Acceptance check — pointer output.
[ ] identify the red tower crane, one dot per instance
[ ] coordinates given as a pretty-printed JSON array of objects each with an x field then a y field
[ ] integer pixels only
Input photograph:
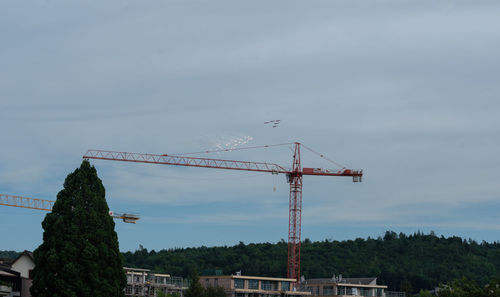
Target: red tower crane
[{"x": 294, "y": 177}]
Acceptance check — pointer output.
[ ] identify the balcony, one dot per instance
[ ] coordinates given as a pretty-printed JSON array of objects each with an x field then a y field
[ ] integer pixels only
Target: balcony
[{"x": 5, "y": 290}]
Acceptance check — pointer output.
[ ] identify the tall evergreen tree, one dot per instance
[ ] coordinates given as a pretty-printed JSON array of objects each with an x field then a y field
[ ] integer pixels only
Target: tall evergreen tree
[
  {"x": 195, "y": 289},
  {"x": 215, "y": 292},
  {"x": 79, "y": 256}
]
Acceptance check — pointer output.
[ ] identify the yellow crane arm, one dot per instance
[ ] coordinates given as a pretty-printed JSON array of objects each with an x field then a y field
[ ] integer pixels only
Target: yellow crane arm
[{"x": 42, "y": 204}]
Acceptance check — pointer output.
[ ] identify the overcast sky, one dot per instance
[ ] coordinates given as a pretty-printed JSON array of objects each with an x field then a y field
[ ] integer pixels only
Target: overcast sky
[{"x": 406, "y": 90}]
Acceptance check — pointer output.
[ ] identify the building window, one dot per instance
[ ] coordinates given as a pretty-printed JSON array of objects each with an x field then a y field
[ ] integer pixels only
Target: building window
[
  {"x": 328, "y": 291},
  {"x": 352, "y": 291},
  {"x": 161, "y": 280},
  {"x": 315, "y": 290},
  {"x": 216, "y": 282},
  {"x": 366, "y": 292},
  {"x": 128, "y": 290},
  {"x": 253, "y": 284},
  {"x": 341, "y": 291},
  {"x": 265, "y": 285},
  {"x": 285, "y": 286},
  {"x": 239, "y": 284},
  {"x": 380, "y": 292},
  {"x": 275, "y": 286},
  {"x": 137, "y": 290}
]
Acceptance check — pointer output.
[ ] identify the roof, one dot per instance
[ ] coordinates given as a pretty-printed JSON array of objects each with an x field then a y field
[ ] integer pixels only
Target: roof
[
  {"x": 136, "y": 269},
  {"x": 352, "y": 281},
  {"x": 6, "y": 261},
  {"x": 265, "y": 278},
  {"x": 160, "y": 274},
  {"x": 129, "y": 270},
  {"x": 25, "y": 253},
  {"x": 349, "y": 281},
  {"x": 6, "y": 271},
  {"x": 360, "y": 280}
]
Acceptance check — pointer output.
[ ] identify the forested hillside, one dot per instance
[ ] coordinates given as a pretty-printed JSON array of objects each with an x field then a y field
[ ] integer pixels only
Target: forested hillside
[
  {"x": 8, "y": 254},
  {"x": 404, "y": 262}
]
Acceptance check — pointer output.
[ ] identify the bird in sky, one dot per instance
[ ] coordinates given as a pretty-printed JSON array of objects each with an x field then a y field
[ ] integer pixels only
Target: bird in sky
[{"x": 273, "y": 123}]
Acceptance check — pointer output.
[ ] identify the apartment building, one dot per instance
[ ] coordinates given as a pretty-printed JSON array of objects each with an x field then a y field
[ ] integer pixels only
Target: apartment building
[
  {"x": 144, "y": 283},
  {"x": 253, "y": 286},
  {"x": 10, "y": 282},
  {"x": 339, "y": 287}
]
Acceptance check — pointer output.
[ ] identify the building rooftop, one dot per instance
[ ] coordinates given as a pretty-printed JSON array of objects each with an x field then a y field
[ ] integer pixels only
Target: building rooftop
[
  {"x": 129, "y": 270},
  {"x": 348, "y": 281},
  {"x": 136, "y": 269},
  {"x": 6, "y": 261},
  {"x": 25, "y": 253},
  {"x": 6, "y": 271},
  {"x": 250, "y": 277}
]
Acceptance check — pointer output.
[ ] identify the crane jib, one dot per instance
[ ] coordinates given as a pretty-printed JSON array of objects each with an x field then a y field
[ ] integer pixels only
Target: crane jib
[{"x": 186, "y": 161}]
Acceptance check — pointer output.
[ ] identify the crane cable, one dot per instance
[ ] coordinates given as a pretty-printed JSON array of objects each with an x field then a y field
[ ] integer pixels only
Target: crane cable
[
  {"x": 231, "y": 149},
  {"x": 323, "y": 156},
  {"x": 262, "y": 146}
]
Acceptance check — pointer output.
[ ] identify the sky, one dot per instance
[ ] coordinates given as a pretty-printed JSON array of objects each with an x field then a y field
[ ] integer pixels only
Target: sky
[{"x": 406, "y": 90}]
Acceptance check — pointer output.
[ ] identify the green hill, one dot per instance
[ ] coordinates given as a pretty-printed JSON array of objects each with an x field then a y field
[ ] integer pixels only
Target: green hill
[
  {"x": 403, "y": 262},
  {"x": 8, "y": 254}
]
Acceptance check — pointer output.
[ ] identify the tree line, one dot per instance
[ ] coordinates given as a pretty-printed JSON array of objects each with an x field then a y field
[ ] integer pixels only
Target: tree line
[
  {"x": 465, "y": 288},
  {"x": 407, "y": 263}
]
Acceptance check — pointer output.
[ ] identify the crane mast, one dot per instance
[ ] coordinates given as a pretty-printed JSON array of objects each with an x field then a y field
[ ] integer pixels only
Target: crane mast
[
  {"x": 294, "y": 178},
  {"x": 294, "y": 216}
]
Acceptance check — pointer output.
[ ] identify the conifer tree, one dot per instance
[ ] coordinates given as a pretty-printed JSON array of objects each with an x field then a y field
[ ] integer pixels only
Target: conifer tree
[
  {"x": 195, "y": 289},
  {"x": 215, "y": 292},
  {"x": 79, "y": 256}
]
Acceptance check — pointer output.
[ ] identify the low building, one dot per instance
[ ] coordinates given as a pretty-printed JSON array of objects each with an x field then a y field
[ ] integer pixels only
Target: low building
[
  {"x": 24, "y": 264},
  {"x": 144, "y": 283},
  {"x": 253, "y": 286},
  {"x": 338, "y": 286},
  {"x": 6, "y": 261},
  {"x": 10, "y": 282},
  {"x": 18, "y": 273}
]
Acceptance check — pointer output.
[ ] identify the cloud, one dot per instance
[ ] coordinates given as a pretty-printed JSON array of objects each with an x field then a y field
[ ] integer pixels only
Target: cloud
[{"x": 405, "y": 90}]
